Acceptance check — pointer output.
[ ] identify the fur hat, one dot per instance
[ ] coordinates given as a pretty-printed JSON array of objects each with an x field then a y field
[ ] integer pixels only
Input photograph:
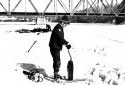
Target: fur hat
[{"x": 65, "y": 19}]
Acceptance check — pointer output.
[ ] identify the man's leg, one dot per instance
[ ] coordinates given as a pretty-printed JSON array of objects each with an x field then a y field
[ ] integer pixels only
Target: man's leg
[{"x": 56, "y": 61}]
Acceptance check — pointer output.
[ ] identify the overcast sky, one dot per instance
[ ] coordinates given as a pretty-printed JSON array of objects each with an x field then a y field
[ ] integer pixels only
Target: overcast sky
[{"x": 39, "y": 4}]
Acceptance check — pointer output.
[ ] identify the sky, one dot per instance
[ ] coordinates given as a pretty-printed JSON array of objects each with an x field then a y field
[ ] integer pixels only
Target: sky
[{"x": 40, "y": 5}]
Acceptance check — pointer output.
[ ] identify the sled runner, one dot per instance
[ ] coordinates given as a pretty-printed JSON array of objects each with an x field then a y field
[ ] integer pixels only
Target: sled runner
[
  {"x": 36, "y": 77},
  {"x": 64, "y": 80}
]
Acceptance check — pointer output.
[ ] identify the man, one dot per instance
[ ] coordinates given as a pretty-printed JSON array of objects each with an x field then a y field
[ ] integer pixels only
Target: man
[{"x": 56, "y": 42}]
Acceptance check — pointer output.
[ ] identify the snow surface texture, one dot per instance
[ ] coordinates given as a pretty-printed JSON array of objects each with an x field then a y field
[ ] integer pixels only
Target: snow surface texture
[{"x": 97, "y": 51}]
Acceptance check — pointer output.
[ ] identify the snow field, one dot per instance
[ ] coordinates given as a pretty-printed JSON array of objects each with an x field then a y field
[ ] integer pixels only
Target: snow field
[{"x": 91, "y": 44}]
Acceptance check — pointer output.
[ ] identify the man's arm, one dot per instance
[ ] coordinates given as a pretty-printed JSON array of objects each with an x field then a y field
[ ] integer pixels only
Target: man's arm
[{"x": 61, "y": 38}]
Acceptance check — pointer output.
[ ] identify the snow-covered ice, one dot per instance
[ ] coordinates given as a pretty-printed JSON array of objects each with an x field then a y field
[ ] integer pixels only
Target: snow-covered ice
[{"x": 99, "y": 46}]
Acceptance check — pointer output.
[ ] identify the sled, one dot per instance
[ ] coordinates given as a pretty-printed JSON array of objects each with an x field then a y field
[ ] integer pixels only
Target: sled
[
  {"x": 39, "y": 74},
  {"x": 34, "y": 76},
  {"x": 33, "y": 72}
]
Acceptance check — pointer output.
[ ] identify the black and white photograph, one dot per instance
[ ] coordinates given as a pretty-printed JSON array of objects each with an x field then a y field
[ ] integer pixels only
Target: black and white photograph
[{"x": 62, "y": 42}]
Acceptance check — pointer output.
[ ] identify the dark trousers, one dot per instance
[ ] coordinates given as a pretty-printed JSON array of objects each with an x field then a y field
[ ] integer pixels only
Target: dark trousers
[{"x": 56, "y": 59}]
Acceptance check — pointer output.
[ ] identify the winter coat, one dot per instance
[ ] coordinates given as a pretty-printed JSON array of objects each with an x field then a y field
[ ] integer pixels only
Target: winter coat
[{"x": 57, "y": 38}]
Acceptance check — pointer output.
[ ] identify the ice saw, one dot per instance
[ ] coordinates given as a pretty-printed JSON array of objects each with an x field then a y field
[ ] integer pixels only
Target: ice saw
[{"x": 70, "y": 67}]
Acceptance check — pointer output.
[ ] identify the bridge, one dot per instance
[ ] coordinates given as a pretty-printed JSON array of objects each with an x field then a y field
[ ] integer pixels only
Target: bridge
[{"x": 61, "y": 7}]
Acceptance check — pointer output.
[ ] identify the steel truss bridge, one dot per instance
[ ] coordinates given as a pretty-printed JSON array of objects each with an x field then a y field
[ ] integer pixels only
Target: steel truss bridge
[{"x": 87, "y": 7}]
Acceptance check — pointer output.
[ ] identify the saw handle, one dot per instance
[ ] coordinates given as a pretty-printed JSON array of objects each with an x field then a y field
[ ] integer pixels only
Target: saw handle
[{"x": 70, "y": 55}]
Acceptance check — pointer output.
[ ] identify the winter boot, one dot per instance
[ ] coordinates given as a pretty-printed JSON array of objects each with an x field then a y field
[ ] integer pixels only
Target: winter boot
[{"x": 57, "y": 76}]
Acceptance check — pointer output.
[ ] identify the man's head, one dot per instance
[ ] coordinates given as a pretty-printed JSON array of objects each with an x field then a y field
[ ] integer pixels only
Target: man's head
[{"x": 65, "y": 21}]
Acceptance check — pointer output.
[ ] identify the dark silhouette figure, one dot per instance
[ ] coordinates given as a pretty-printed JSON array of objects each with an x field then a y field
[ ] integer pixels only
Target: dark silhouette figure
[{"x": 56, "y": 42}]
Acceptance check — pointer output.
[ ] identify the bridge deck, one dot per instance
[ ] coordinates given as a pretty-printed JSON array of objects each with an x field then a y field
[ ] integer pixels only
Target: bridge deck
[{"x": 53, "y": 14}]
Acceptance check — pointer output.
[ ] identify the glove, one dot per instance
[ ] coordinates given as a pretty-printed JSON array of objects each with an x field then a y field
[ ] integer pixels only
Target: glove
[{"x": 68, "y": 46}]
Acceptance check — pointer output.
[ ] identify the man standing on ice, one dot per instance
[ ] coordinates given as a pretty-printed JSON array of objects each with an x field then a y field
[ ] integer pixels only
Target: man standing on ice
[{"x": 56, "y": 42}]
